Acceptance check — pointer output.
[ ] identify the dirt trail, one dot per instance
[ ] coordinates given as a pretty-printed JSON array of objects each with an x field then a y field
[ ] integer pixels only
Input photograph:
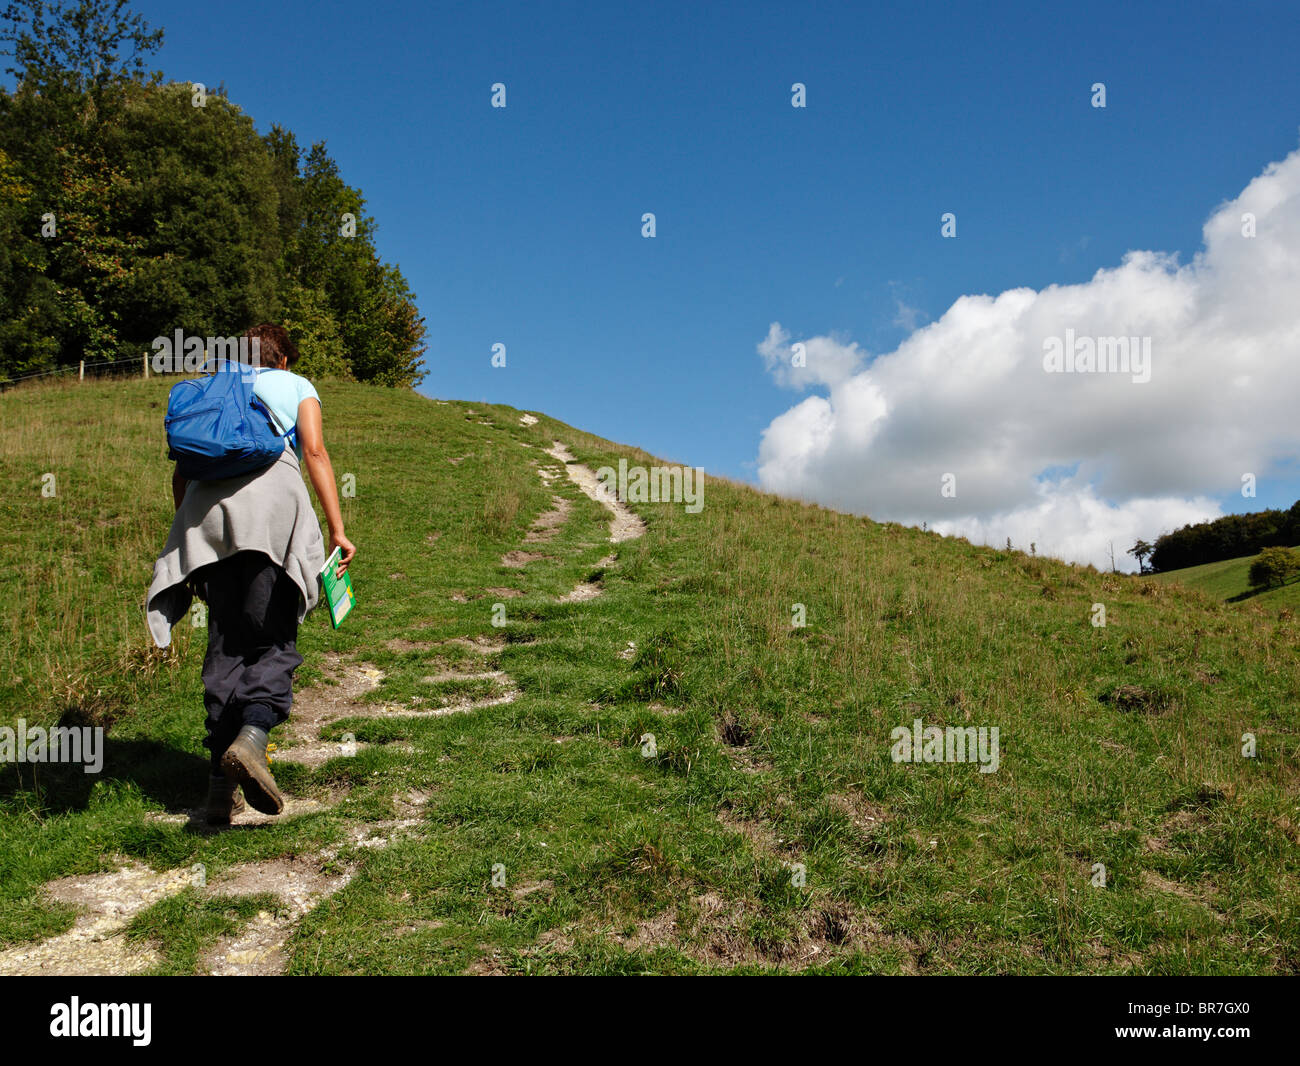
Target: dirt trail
[
  {"x": 94, "y": 944},
  {"x": 625, "y": 525},
  {"x": 107, "y": 901},
  {"x": 300, "y": 883},
  {"x": 321, "y": 705}
]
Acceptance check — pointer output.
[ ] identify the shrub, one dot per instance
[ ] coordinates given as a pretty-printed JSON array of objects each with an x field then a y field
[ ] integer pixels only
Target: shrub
[{"x": 1274, "y": 566}]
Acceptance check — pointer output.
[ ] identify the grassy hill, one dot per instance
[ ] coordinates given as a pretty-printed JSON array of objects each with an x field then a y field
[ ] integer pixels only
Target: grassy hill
[
  {"x": 1229, "y": 580},
  {"x": 471, "y": 797}
]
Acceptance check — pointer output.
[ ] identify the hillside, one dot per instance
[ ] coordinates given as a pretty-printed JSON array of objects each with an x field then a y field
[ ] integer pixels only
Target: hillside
[
  {"x": 471, "y": 797},
  {"x": 1229, "y": 581}
]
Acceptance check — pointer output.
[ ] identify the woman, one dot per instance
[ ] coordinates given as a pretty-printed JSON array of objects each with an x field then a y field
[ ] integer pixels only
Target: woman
[{"x": 251, "y": 548}]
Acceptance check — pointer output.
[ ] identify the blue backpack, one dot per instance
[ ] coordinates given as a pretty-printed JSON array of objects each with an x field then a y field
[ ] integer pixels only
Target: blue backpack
[{"x": 216, "y": 427}]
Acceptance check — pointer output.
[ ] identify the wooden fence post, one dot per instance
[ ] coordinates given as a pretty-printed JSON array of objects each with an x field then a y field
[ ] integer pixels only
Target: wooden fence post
[
  {"x": 81, "y": 374},
  {"x": 145, "y": 359}
]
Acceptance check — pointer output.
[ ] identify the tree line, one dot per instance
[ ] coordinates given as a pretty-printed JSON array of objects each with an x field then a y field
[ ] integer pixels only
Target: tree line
[
  {"x": 131, "y": 207},
  {"x": 1229, "y": 537}
]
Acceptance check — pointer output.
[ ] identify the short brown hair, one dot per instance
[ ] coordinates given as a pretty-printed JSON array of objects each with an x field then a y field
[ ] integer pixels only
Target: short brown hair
[{"x": 274, "y": 345}]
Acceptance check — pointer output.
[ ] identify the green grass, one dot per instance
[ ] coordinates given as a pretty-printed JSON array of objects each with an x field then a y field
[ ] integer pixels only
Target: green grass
[
  {"x": 1119, "y": 745},
  {"x": 1229, "y": 580}
]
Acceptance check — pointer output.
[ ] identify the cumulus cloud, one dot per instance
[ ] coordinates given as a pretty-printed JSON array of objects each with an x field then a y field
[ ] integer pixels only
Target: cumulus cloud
[
  {"x": 1072, "y": 461},
  {"x": 820, "y": 361}
]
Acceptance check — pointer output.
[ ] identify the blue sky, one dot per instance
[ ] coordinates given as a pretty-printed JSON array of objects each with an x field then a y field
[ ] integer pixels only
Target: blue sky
[{"x": 522, "y": 225}]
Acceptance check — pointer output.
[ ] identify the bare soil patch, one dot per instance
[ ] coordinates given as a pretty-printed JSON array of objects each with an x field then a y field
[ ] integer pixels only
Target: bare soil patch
[
  {"x": 549, "y": 523},
  {"x": 519, "y": 559}
]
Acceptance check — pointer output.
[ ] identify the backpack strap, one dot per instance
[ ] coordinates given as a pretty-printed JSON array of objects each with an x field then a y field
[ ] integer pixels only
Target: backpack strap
[{"x": 291, "y": 436}]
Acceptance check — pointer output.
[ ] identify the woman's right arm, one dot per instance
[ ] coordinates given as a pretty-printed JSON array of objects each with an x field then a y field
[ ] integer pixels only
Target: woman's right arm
[{"x": 321, "y": 471}]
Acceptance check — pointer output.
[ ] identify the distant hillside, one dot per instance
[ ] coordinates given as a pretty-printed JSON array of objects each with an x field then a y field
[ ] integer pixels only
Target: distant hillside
[
  {"x": 534, "y": 750},
  {"x": 1231, "y": 536},
  {"x": 1229, "y": 581}
]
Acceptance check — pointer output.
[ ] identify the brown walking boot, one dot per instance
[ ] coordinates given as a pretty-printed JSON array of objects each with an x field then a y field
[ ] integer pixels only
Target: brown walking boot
[
  {"x": 245, "y": 763},
  {"x": 224, "y": 800}
]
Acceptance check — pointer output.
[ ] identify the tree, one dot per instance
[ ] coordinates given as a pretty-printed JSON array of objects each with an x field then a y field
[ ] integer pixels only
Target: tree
[
  {"x": 306, "y": 315},
  {"x": 28, "y": 299},
  {"x": 1275, "y": 566},
  {"x": 201, "y": 199},
  {"x": 127, "y": 212},
  {"x": 1229, "y": 537},
  {"x": 1140, "y": 551},
  {"x": 81, "y": 48}
]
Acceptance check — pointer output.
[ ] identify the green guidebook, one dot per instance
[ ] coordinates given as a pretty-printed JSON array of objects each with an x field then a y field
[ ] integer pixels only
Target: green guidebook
[{"x": 338, "y": 590}]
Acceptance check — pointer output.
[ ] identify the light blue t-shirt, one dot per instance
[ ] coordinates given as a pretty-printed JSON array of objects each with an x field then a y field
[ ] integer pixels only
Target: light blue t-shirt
[{"x": 282, "y": 391}]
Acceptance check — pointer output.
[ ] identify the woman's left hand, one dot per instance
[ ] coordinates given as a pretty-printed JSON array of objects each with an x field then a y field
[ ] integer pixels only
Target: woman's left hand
[{"x": 338, "y": 540}]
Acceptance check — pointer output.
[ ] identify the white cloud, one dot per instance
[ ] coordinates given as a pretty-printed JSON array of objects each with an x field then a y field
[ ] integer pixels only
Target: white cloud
[
  {"x": 827, "y": 361},
  {"x": 968, "y": 395},
  {"x": 907, "y": 316},
  {"x": 1077, "y": 525}
]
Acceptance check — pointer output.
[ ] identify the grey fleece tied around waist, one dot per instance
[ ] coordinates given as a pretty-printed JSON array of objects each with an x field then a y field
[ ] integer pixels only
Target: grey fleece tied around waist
[{"x": 267, "y": 511}]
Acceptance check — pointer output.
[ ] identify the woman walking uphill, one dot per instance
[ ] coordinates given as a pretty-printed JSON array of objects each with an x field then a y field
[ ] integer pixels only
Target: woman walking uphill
[{"x": 251, "y": 548}]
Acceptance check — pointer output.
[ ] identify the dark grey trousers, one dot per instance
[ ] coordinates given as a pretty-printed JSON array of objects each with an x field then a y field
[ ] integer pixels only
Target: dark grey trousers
[{"x": 252, "y": 653}]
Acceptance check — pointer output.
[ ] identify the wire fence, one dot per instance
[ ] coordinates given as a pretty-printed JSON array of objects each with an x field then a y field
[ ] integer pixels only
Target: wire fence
[{"x": 110, "y": 367}]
